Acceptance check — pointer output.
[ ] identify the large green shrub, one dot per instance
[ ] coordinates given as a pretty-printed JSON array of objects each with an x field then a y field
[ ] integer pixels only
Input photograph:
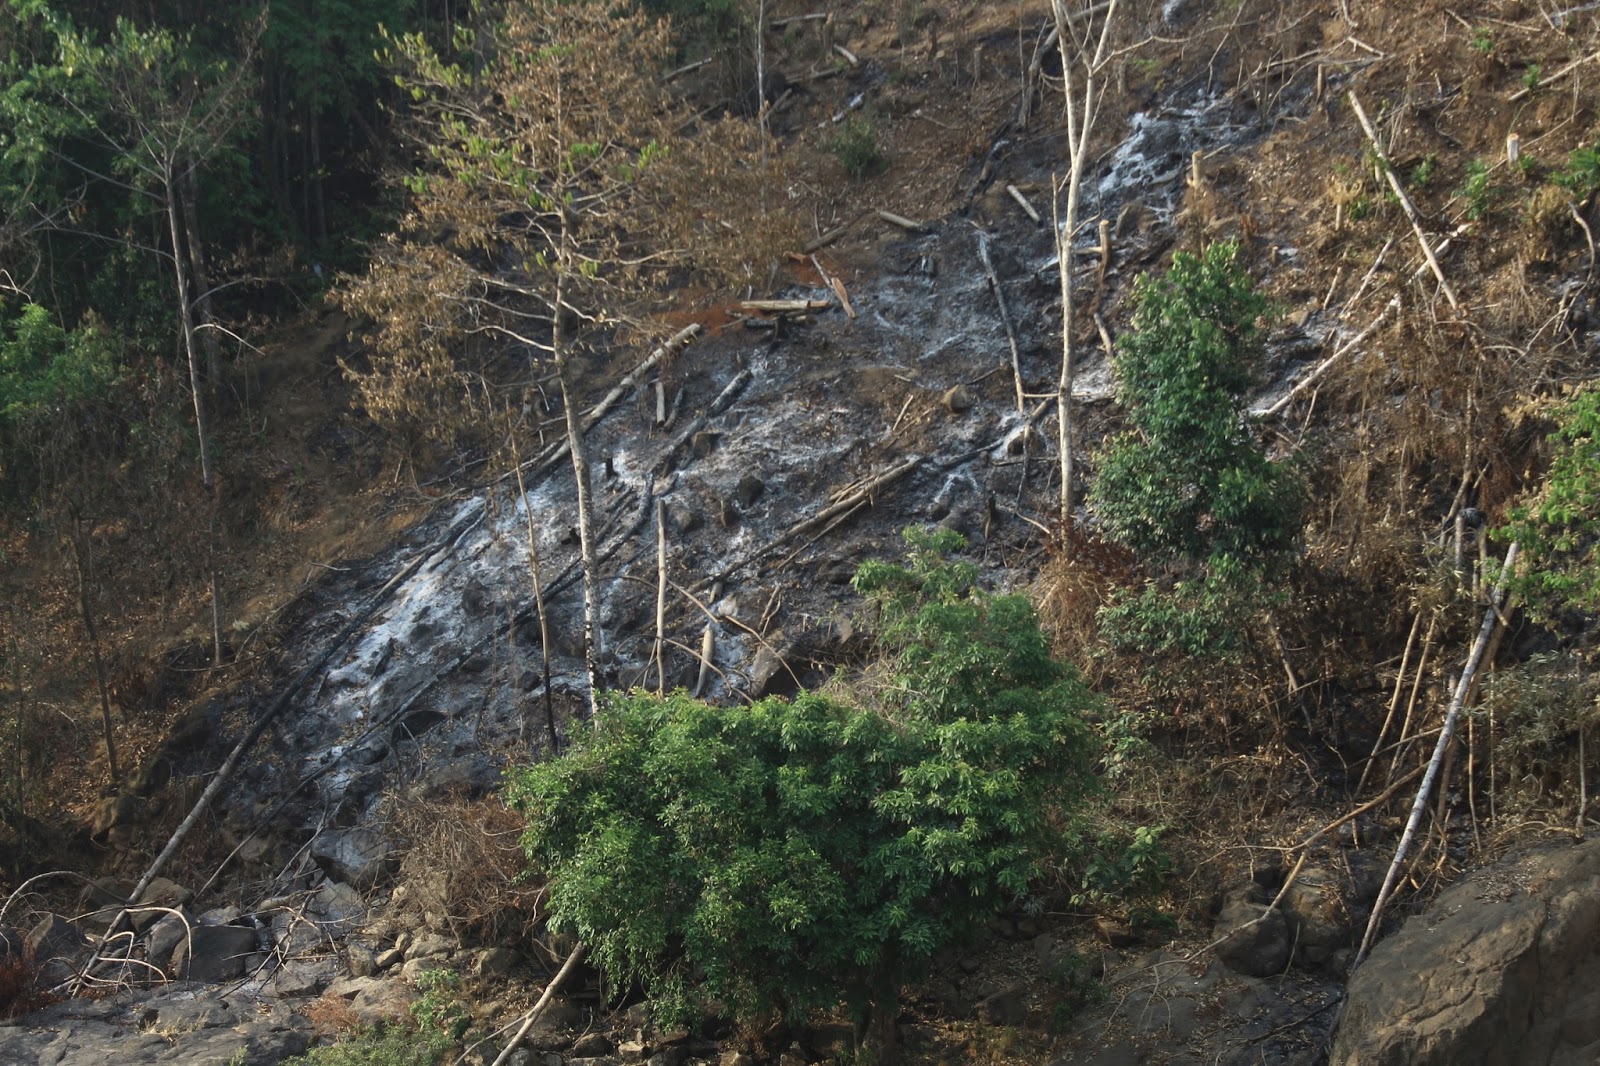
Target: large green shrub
[
  {"x": 1559, "y": 527},
  {"x": 791, "y": 855},
  {"x": 1189, "y": 488}
]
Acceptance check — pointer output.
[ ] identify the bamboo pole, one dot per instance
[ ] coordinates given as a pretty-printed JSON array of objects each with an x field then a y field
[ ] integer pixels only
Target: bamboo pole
[
  {"x": 1492, "y": 620},
  {"x": 1405, "y": 200},
  {"x": 661, "y": 595}
]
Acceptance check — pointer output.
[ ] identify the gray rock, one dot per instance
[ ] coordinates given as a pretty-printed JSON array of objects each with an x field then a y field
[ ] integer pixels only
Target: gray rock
[
  {"x": 360, "y": 856},
  {"x": 1318, "y": 917},
  {"x": 100, "y": 902},
  {"x": 58, "y": 948},
  {"x": 1009, "y": 1006},
  {"x": 214, "y": 953},
  {"x": 591, "y": 1044},
  {"x": 165, "y": 936},
  {"x": 391, "y": 957},
  {"x": 372, "y": 1000},
  {"x": 301, "y": 978},
  {"x": 1258, "y": 950},
  {"x": 429, "y": 945},
  {"x": 957, "y": 399},
  {"x": 493, "y": 962},
  {"x": 1501, "y": 968},
  {"x": 337, "y": 908},
  {"x": 360, "y": 959},
  {"x": 749, "y": 490}
]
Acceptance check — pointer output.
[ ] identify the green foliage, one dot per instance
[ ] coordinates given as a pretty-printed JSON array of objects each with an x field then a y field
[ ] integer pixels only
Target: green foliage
[
  {"x": 1478, "y": 191},
  {"x": 1581, "y": 175},
  {"x": 441, "y": 1022},
  {"x": 1190, "y": 481},
  {"x": 1483, "y": 41},
  {"x": 1530, "y": 77},
  {"x": 785, "y": 856},
  {"x": 1423, "y": 172},
  {"x": 1122, "y": 865},
  {"x": 856, "y": 148},
  {"x": 1189, "y": 488},
  {"x": 1559, "y": 528},
  {"x": 386, "y": 1046},
  {"x": 1203, "y": 615},
  {"x": 1072, "y": 975},
  {"x": 45, "y": 367}
]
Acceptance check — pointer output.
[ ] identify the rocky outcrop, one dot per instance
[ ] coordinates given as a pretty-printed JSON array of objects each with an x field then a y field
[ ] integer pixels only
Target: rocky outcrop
[
  {"x": 174, "y": 1026},
  {"x": 1503, "y": 967}
]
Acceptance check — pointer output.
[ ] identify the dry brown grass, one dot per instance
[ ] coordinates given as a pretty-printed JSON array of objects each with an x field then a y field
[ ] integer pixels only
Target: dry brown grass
[{"x": 465, "y": 868}]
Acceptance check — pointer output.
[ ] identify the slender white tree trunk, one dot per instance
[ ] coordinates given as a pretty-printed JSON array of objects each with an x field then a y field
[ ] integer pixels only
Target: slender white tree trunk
[
  {"x": 1082, "y": 105},
  {"x": 207, "y": 478}
]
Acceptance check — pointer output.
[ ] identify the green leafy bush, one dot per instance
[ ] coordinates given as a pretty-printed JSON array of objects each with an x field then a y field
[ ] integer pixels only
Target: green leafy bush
[
  {"x": 1188, "y": 488},
  {"x": 1581, "y": 175},
  {"x": 43, "y": 365},
  {"x": 789, "y": 855},
  {"x": 1190, "y": 481},
  {"x": 1559, "y": 528},
  {"x": 856, "y": 148},
  {"x": 1478, "y": 191}
]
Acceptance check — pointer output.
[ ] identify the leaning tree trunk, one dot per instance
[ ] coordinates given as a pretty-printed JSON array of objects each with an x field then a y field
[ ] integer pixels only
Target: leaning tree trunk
[
  {"x": 207, "y": 478},
  {"x": 80, "y": 564}
]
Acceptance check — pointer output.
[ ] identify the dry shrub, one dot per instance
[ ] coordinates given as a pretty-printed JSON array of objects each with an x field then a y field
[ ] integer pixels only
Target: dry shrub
[
  {"x": 465, "y": 866},
  {"x": 1072, "y": 586},
  {"x": 332, "y": 1016},
  {"x": 19, "y": 985}
]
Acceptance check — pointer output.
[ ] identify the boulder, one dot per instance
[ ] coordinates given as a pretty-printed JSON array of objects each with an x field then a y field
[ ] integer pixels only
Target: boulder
[
  {"x": 360, "y": 856},
  {"x": 214, "y": 953},
  {"x": 1502, "y": 967},
  {"x": 165, "y": 936},
  {"x": 1256, "y": 950},
  {"x": 100, "y": 902},
  {"x": 58, "y": 949},
  {"x": 1318, "y": 915}
]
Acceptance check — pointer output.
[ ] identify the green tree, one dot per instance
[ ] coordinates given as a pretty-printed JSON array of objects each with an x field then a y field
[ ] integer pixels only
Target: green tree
[
  {"x": 785, "y": 856},
  {"x": 1559, "y": 526},
  {"x": 1189, "y": 489}
]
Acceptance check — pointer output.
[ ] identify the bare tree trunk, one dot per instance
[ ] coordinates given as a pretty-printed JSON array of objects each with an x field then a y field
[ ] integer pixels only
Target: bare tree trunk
[
  {"x": 202, "y": 279},
  {"x": 1082, "y": 110},
  {"x": 81, "y": 565},
  {"x": 538, "y": 601},
  {"x": 207, "y": 478},
  {"x": 593, "y": 637},
  {"x": 16, "y": 691}
]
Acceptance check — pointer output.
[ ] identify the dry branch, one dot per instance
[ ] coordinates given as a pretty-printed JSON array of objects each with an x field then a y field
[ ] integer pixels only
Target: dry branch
[
  {"x": 1005, "y": 318},
  {"x": 1404, "y": 198},
  {"x": 538, "y": 1008},
  {"x": 900, "y": 220},
  {"x": 1552, "y": 79},
  {"x": 784, "y": 307},
  {"x": 1492, "y": 621},
  {"x": 1022, "y": 202},
  {"x": 1321, "y": 368}
]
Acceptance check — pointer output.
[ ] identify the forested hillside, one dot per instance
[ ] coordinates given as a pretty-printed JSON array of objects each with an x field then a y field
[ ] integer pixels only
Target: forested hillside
[{"x": 895, "y": 515}]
